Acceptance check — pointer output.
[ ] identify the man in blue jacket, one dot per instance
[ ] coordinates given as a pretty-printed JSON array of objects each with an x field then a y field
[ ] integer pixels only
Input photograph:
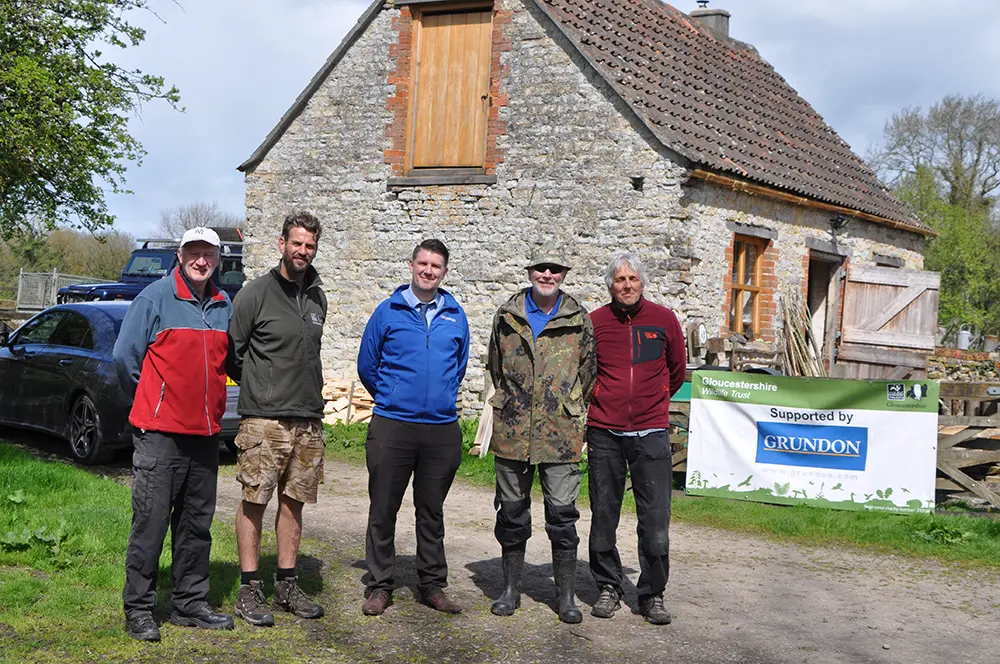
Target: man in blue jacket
[
  {"x": 170, "y": 357},
  {"x": 412, "y": 360}
]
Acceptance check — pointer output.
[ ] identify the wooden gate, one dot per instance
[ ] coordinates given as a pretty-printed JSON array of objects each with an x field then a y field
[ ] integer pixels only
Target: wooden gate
[{"x": 889, "y": 323}]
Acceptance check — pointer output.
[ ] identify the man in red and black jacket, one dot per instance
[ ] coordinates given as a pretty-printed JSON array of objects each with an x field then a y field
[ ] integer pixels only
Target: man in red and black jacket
[
  {"x": 170, "y": 356},
  {"x": 641, "y": 362}
]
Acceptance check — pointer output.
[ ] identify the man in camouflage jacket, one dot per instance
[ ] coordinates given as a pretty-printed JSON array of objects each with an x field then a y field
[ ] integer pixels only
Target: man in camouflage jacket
[{"x": 543, "y": 363}]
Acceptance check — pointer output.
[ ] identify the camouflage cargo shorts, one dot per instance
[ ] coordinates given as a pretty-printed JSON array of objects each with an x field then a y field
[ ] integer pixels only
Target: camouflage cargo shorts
[{"x": 282, "y": 454}]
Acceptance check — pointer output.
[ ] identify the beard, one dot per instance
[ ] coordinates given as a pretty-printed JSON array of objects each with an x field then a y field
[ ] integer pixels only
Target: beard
[{"x": 291, "y": 267}]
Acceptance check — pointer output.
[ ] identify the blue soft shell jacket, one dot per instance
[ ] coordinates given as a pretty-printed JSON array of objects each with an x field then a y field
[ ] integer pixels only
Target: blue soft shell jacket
[{"x": 414, "y": 372}]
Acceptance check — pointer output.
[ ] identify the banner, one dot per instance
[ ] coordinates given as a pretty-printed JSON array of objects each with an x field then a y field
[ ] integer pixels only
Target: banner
[{"x": 842, "y": 444}]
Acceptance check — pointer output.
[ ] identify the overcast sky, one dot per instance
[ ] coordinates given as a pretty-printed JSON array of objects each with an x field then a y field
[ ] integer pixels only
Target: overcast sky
[{"x": 239, "y": 64}]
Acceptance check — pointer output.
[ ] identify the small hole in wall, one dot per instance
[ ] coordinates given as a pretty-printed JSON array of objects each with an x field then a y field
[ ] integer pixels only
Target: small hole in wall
[{"x": 637, "y": 183}]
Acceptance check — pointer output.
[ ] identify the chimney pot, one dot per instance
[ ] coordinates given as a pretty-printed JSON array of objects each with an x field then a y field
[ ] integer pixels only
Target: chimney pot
[{"x": 716, "y": 19}]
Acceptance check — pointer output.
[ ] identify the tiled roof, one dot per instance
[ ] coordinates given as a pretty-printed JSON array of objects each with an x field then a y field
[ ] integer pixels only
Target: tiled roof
[{"x": 716, "y": 102}]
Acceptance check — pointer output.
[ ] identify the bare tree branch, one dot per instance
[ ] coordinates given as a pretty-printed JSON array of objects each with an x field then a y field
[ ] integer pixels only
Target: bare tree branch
[{"x": 174, "y": 221}]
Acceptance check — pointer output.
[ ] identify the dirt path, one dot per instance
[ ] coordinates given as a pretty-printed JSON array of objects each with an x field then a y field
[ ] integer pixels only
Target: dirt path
[{"x": 734, "y": 598}]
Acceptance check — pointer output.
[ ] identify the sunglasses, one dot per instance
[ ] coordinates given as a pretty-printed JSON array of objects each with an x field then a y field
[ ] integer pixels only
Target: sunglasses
[{"x": 551, "y": 267}]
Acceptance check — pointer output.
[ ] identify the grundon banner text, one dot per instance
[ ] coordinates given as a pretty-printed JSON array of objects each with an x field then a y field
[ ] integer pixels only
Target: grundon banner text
[{"x": 844, "y": 444}]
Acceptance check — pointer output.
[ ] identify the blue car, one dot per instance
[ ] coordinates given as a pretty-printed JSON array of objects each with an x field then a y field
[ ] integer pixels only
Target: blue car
[{"x": 57, "y": 375}]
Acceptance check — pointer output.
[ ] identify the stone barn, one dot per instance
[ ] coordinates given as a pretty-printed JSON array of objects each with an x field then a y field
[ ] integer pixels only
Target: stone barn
[{"x": 603, "y": 125}]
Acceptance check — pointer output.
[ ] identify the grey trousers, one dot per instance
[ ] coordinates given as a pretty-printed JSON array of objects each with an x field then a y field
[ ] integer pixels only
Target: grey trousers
[{"x": 560, "y": 488}]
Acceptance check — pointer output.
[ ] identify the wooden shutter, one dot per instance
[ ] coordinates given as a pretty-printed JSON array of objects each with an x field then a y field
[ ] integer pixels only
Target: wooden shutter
[
  {"x": 452, "y": 80},
  {"x": 889, "y": 324}
]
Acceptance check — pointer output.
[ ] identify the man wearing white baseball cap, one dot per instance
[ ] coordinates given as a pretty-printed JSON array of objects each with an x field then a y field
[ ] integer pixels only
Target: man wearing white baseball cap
[{"x": 170, "y": 356}]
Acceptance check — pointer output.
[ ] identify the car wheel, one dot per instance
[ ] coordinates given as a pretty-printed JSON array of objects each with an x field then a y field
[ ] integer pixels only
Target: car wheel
[
  {"x": 86, "y": 440},
  {"x": 231, "y": 446}
]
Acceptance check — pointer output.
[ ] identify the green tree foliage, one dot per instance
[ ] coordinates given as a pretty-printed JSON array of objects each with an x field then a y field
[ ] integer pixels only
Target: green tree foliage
[
  {"x": 64, "y": 108},
  {"x": 966, "y": 252}
]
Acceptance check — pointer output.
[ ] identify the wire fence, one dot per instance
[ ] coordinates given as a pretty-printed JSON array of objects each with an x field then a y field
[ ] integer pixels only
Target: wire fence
[{"x": 38, "y": 290}]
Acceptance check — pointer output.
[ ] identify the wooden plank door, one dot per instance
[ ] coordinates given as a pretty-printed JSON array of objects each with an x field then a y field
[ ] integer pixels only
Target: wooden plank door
[
  {"x": 889, "y": 323},
  {"x": 452, "y": 83}
]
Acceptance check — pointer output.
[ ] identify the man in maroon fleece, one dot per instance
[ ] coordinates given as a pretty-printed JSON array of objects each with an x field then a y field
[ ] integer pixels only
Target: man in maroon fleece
[{"x": 641, "y": 360}]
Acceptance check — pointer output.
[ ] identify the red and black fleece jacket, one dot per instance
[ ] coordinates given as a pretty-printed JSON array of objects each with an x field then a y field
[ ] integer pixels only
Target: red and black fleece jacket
[
  {"x": 641, "y": 363},
  {"x": 171, "y": 357}
]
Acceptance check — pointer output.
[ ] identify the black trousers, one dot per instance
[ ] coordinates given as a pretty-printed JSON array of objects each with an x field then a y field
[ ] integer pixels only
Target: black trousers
[
  {"x": 173, "y": 485},
  {"x": 395, "y": 451},
  {"x": 648, "y": 459}
]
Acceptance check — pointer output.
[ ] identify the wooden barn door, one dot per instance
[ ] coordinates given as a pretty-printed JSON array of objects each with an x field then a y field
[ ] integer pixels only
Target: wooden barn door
[{"x": 889, "y": 323}]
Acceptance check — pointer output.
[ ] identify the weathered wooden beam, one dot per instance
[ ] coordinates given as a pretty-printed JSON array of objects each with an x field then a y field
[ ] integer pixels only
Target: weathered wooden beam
[
  {"x": 899, "y": 373},
  {"x": 905, "y": 278},
  {"x": 969, "y": 390},
  {"x": 963, "y": 458},
  {"x": 967, "y": 421},
  {"x": 944, "y": 484},
  {"x": 968, "y": 483},
  {"x": 854, "y": 353},
  {"x": 892, "y": 339},
  {"x": 946, "y": 441}
]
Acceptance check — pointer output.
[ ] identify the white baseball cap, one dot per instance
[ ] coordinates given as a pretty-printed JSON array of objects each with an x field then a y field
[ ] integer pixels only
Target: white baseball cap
[{"x": 201, "y": 234}]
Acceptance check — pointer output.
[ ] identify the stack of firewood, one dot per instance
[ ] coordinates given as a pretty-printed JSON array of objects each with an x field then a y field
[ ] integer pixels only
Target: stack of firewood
[{"x": 346, "y": 401}]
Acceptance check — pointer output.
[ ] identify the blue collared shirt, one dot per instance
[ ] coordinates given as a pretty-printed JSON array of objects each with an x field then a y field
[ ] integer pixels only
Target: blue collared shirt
[
  {"x": 431, "y": 307},
  {"x": 537, "y": 318}
]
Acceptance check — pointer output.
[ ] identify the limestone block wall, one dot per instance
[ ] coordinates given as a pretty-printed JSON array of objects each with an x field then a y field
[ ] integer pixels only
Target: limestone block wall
[{"x": 576, "y": 167}]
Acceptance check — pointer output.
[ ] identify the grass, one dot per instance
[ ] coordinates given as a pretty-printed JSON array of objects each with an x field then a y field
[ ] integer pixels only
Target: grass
[
  {"x": 964, "y": 539},
  {"x": 62, "y": 558}
]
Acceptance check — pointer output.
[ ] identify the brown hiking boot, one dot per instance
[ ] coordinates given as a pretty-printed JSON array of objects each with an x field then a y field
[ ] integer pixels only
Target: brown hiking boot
[
  {"x": 251, "y": 605},
  {"x": 376, "y": 604},
  {"x": 289, "y": 597}
]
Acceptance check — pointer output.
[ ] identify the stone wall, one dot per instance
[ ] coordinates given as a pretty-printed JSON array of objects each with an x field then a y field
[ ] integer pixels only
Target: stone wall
[
  {"x": 572, "y": 158},
  {"x": 963, "y": 365}
]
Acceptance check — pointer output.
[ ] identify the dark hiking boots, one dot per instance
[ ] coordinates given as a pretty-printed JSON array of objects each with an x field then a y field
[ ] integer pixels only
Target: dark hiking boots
[
  {"x": 289, "y": 597},
  {"x": 510, "y": 599},
  {"x": 653, "y": 611},
  {"x": 202, "y": 617},
  {"x": 142, "y": 627},
  {"x": 251, "y": 605},
  {"x": 609, "y": 601}
]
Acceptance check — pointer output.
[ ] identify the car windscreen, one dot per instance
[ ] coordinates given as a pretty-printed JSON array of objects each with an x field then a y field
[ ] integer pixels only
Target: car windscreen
[{"x": 154, "y": 264}]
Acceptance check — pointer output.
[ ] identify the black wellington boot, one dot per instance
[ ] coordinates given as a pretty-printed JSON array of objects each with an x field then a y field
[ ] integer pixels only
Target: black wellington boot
[
  {"x": 564, "y": 572},
  {"x": 510, "y": 599}
]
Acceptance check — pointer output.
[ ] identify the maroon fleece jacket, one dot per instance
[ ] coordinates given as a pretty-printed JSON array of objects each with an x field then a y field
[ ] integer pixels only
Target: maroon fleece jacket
[{"x": 641, "y": 363}]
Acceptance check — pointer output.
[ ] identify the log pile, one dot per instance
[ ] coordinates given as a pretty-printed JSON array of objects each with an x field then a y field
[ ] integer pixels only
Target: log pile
[{"x": 346, "y": 401}]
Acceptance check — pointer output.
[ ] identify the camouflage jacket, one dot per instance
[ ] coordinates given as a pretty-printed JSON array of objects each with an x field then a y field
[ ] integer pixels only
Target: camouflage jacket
[{"x": 543, "y": 385}]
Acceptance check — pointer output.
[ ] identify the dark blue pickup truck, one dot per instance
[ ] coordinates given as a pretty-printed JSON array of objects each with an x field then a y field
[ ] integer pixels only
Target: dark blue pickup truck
[{"x": 153, "y": 260}]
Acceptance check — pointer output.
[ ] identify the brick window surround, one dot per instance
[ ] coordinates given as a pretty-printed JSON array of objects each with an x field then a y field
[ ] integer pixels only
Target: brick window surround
[
  {"x": 766, "y": 283},
  {"x": 401, "y": 101}
]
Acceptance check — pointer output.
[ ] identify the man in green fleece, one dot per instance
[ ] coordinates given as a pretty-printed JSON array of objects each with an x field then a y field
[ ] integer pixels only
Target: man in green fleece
[{"x": 276, "y": 332}]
